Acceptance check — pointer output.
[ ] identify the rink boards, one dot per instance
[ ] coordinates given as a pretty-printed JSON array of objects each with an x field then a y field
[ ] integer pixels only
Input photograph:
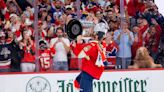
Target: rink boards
[{"x": 111, "y": 81}]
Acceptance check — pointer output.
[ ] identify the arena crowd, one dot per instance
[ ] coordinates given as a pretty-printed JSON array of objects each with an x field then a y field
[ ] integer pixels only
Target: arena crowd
[{"x": 142, "y": 27}]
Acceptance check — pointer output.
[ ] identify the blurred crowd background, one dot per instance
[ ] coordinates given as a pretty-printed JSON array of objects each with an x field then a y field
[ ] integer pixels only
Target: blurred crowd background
[{"x": 143, "y": 26}]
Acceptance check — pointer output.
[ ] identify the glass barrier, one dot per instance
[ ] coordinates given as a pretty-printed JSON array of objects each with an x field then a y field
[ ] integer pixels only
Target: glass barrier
[{"x": 39, "y": 35}]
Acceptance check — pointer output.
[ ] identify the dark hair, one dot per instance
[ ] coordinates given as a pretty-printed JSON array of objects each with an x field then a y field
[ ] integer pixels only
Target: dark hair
[
  {"x": 100, "y": 35},
  {"x": 42, "y": 42},
  {"x": 59, "y": 28},
  {"x": 2, "y": 16}
]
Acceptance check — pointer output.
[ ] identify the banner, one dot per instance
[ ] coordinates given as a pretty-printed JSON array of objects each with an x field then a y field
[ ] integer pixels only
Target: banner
[{"x": 119, "y": 81}]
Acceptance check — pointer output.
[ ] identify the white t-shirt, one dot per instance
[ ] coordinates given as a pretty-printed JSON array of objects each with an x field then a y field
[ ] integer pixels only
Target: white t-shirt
[{"x": 61, "y": 53}]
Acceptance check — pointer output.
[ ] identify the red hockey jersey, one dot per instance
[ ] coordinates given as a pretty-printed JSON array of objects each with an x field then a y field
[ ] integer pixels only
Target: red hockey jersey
[
  {"x": 111, "y": 51},
  {"x": 88, "y": 62}
]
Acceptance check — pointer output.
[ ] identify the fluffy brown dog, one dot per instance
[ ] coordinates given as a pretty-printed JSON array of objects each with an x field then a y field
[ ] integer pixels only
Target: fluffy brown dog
[{"x": 144, "y": 60}]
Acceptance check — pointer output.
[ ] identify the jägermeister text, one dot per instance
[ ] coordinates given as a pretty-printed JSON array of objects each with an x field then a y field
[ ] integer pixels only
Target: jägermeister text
[{"x": 122, "y": 85}]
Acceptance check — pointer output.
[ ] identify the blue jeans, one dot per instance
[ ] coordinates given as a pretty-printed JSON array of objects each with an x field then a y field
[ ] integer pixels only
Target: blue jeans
[
  {"x": 5, "y": 70},
  {"x": 123, "y": 63},
  {"x": 60, "y": 65}
]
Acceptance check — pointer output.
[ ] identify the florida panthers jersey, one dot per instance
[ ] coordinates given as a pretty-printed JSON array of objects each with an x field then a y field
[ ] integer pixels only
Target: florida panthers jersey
[
  {"x": 6, "y": 51},
  {"x": 111, "y": 51}
]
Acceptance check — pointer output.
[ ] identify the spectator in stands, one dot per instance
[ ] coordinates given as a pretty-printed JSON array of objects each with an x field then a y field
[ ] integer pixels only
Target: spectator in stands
[
  {"x": 41, "y": 29},
  {"x": 56, "y": 10},
  {"x": 23, "y": 4},
  {"x": 14, "y": 22},
  {"x": 17, "y": 54},
  {"x": 62, "y": 21},
  {"x": 45, "y": 56},
  {"x": 143, "y": 26},
  {"x": 14, "y": 7},
  {"x": 49, "y": 27},
  {"x": 138, "y": 42},
  {"x": 62, "y": 47},
  {"x": 111, "y": 49},
  {"x": 27, "y": 26},
  {"x": 124, "y": 38},
  {"x": 28, "y": 60},
  {"x": 113, "y": 25},
  {"x": 5, "y": 59},
  {"x": 9, "y": 60},
  {"x": 43, "y": 14},
  {"x": 152, "y": 41},
  {"x": 23, "y": 19},
  {"x": 43, "y": 5}
]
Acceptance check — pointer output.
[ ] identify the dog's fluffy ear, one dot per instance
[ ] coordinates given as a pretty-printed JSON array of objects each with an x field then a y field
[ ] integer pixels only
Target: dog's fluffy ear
[
  {"x": 145, "y": 51},
  {"x": 140, "y": 54}
]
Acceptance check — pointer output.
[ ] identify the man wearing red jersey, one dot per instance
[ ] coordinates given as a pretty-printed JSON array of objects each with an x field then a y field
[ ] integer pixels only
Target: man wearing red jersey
[
  {"x": 93, "y": 56},
  {"x": 45, "y": 56}
]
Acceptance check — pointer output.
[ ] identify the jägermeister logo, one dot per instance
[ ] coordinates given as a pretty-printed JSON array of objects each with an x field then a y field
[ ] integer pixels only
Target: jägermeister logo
[
  {"x": 38, "y": 84},
  {"x": 121, "y": 85}
]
